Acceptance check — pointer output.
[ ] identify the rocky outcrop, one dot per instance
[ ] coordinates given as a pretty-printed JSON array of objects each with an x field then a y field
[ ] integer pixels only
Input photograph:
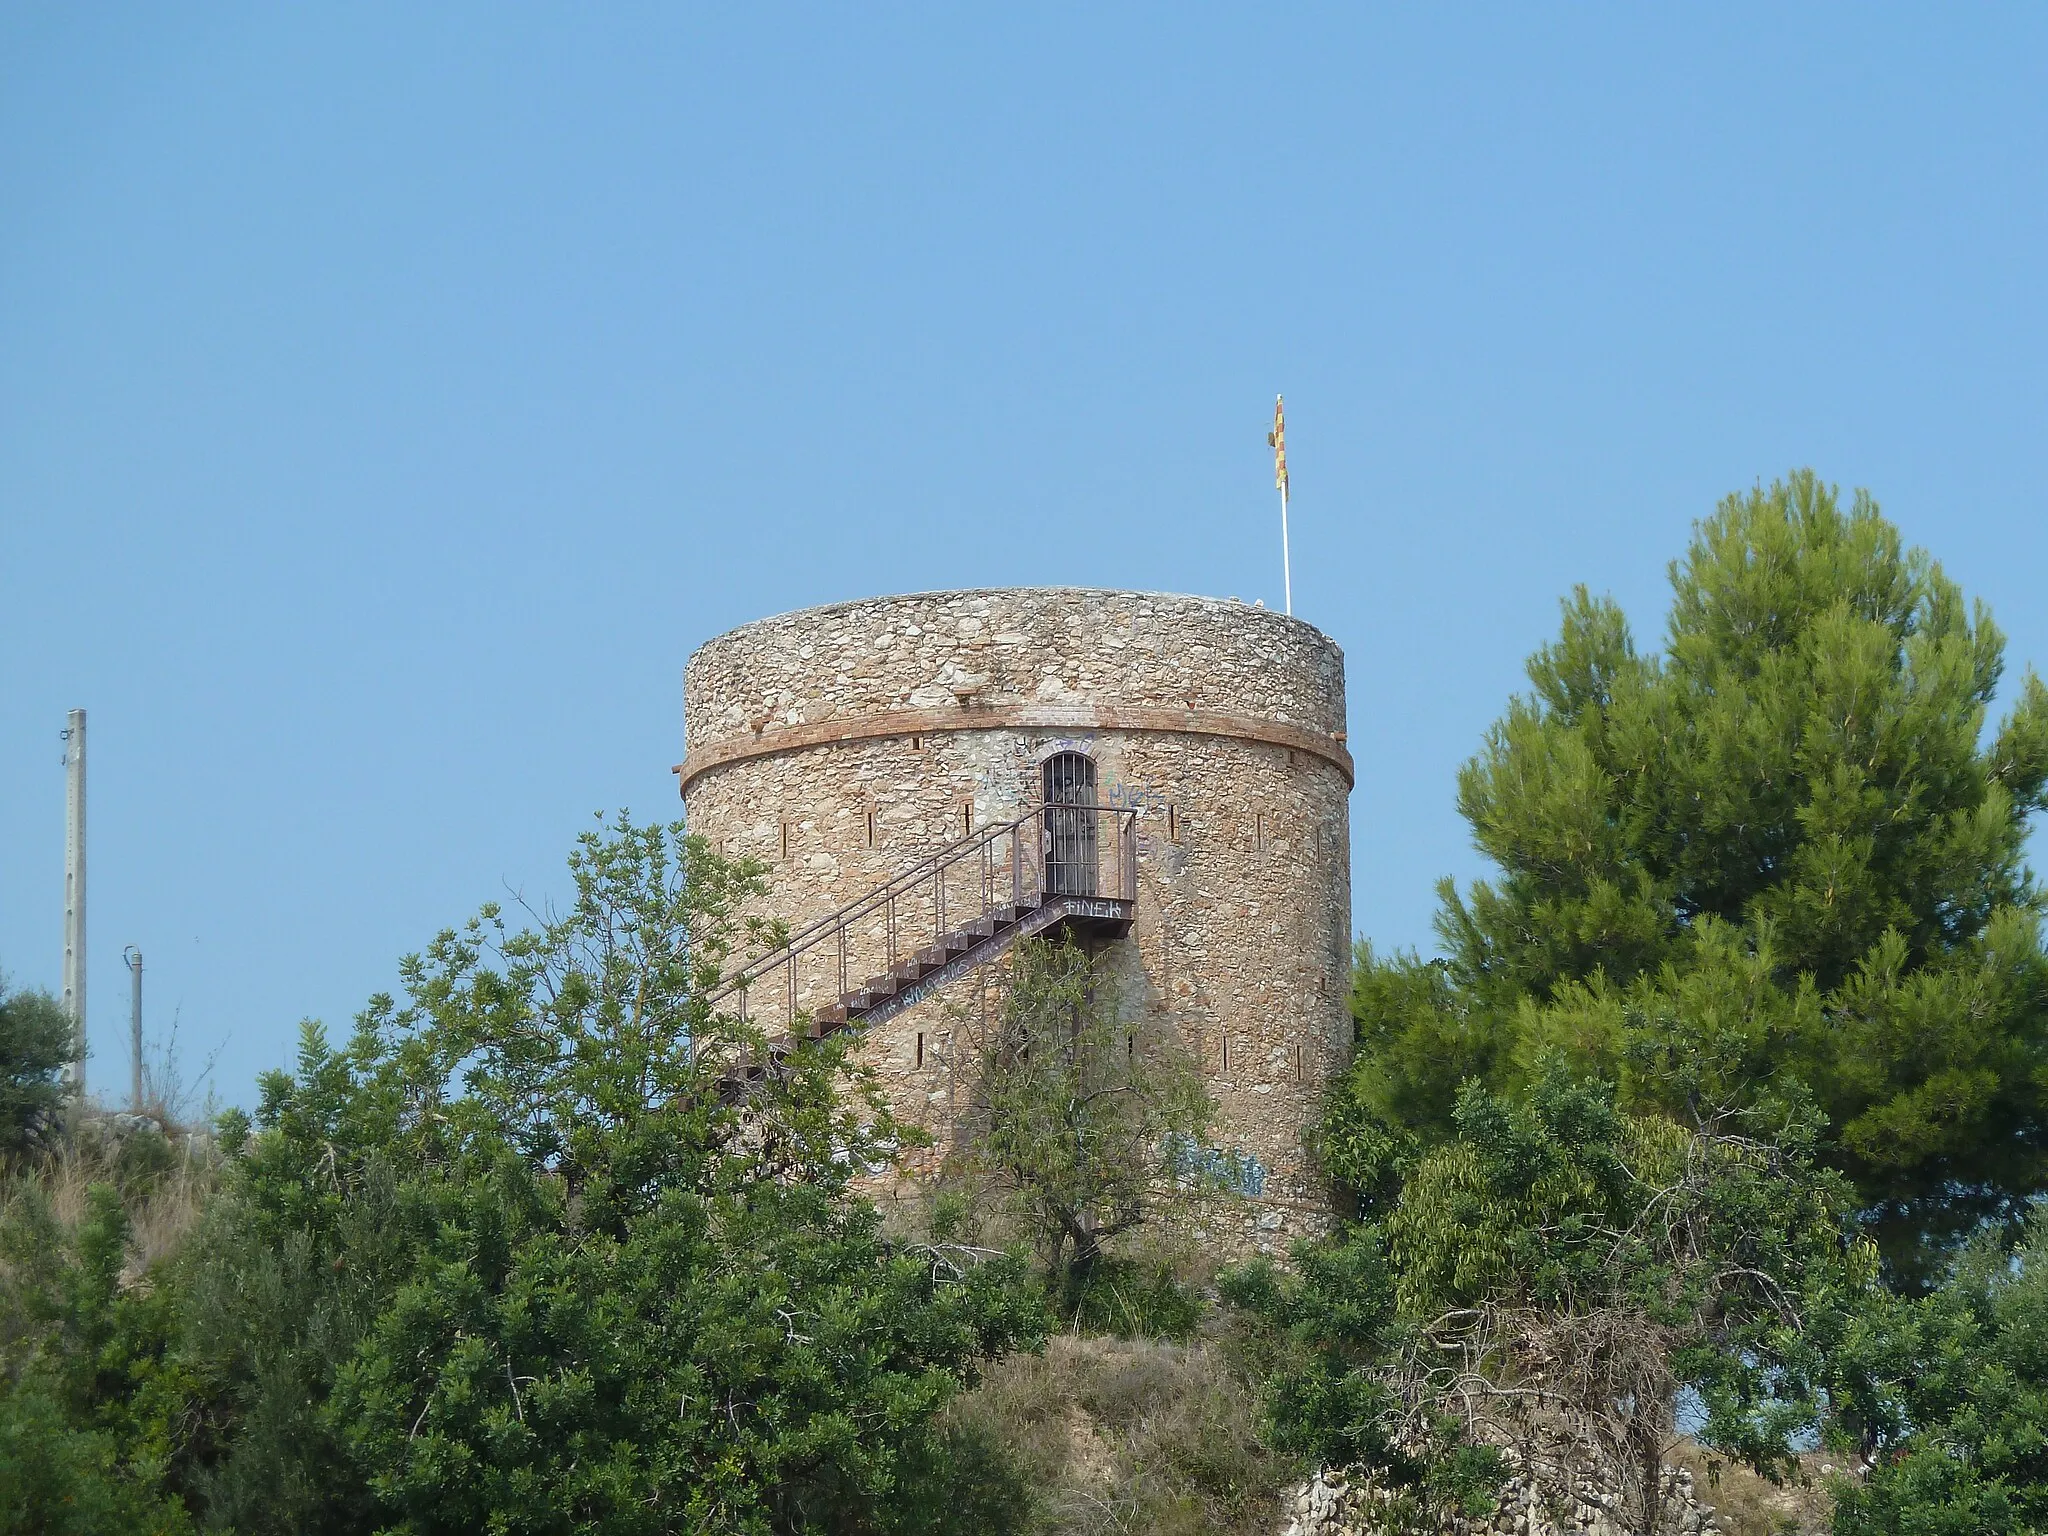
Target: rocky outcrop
[{"x": 1334, "y": 1504}]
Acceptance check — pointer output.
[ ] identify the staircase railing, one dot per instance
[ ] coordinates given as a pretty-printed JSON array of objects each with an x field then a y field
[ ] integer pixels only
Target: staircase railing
[{"x": 980, "y": 882}]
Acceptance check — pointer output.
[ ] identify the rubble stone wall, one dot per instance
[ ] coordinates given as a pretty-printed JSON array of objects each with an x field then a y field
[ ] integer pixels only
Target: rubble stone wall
[
  {"x": 1332, "y": 1504},
  {"x": 840, "y": 744}
]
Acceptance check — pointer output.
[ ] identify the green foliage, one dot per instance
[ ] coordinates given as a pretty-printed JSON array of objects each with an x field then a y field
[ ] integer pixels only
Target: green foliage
[
  {"x": 1329, "y": 1403},
  {"x": 1953, "y": 1402},
  {"x": 60, "y": 1480},
  {"x": 1555, "y": 1275},
  {"x": 1077, "y": 1110},
  {"x": 547, "y": 1269},
  {"x": 89, "y": 1394},
  {"x": 546, "y": 1247},
  {"x": 35, "y": 1044},
  {"x": 1708, "y": 1262},
  {"x": 1337, "y": 1390},
  {"x": 1133, "y": 1298},
  {"x": 1779, "y": 857}
]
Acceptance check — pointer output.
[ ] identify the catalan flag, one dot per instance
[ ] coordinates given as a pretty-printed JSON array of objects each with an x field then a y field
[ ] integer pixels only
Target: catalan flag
[{"x": 1277, "y": 441}]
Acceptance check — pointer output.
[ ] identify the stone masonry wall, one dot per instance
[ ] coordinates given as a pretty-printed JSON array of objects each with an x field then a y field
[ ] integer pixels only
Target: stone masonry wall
[
  {"x": 1333, "y": 1504},
  {"x": 839, "y": 744},
  {"x": 1043, "y": 645}
]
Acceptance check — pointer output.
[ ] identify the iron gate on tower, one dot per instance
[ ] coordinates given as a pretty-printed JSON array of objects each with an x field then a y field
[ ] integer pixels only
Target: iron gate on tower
[{"x": 1068, "y": 784}]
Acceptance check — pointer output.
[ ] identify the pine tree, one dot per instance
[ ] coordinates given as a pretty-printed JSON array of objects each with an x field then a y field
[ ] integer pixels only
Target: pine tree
[{"x": 1777, "y": 862}]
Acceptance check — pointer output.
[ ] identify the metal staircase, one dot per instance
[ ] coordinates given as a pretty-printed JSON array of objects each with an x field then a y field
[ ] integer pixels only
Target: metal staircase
[{"x": 1057, "y": 865}]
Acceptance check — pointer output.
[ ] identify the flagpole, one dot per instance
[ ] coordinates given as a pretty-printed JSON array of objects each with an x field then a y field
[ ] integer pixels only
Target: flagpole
[{"x": 1286, "y": 565}]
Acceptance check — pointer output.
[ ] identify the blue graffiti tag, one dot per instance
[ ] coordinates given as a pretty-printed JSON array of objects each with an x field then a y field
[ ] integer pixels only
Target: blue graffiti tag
[
  {"x": 1194, "y": 1164},
  {"x": 1141, "y": 797}
]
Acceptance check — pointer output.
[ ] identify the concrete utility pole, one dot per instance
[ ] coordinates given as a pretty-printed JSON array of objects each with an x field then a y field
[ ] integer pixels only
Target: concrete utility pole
[
  {"x": 134, "y": 958},
  {"x": 74, "y": 896}
]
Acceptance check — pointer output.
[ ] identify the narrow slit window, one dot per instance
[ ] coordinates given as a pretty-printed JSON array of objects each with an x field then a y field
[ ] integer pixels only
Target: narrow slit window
[
  {"x": 1300, "y": 1061},
  {"x": 871, "y": 827},
  {"x": 1259, "y": 832},
  {"x": 1172, "y": 822},
  {"x": 1223, "y": 1056},
  {"x": 917, "y": 743},
  {"x": 920, "y": 1050},
  {"x": 785, "y": 839},
  {"x": 966, "y": 818}
]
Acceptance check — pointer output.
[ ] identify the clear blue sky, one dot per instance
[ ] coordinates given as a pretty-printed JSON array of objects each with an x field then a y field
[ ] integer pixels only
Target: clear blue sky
[{"x": 391, "y": 397}]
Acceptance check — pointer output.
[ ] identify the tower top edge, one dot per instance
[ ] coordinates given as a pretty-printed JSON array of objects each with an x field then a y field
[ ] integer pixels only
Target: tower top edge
[{"x": 1231, "y": 607}]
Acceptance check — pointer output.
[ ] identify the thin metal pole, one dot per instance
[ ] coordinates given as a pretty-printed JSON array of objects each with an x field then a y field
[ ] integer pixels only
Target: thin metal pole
[
  {"x": 1286, "y": 562},
  {"x": 134, "y": 958},
  {"x": 74, "y": 896}
]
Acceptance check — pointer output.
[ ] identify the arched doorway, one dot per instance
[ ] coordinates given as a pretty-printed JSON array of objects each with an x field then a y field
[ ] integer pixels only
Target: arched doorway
[{"x": 1069, "y": 835}]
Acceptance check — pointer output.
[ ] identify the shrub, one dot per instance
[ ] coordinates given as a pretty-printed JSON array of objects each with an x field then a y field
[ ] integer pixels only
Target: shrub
[{"x": 35, "y": 1045}]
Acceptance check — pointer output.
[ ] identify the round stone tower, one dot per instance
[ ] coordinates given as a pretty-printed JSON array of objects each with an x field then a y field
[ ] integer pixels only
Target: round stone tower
[{"x": 929, "y": 775}]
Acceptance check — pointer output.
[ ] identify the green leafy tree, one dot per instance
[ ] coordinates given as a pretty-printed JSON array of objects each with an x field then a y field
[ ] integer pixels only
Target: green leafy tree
[
  {"x": 1340, "y": 1387},
  {"x": 35, "y": 1045},
  {"x": 1947, "y": 1399},
  {"x": 1081, "y": 1118},
  {"x": 1782, "y": 855},
  {"x": 1576, "y": 1269},
  {"x": 549, "y": 1247},
  {"x": 1551, "y": 1280}
]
